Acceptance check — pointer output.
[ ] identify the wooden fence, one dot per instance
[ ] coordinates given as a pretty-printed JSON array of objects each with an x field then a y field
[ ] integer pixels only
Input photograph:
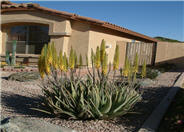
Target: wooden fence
[{"x": 145, "y": 51}]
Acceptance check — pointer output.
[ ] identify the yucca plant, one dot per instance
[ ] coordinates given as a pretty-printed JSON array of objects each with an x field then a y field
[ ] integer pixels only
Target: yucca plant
[{"x": 94, "y": 96}]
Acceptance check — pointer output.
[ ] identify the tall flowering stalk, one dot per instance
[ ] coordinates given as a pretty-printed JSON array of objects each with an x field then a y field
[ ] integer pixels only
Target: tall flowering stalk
[
  {"x": 136, "y": 63},
  {"x": 143, "y": 73},
  {"x": 97, "y": 59},
  {"x": 102, "y": 51},
  {"x": 71, "y": 59},
  {"x": 80, "y": 61},
  {"x": 60, "y": 62},
  {"x": 126, "y": 67},
  {"x": 105, "y": 64},
  {"x": 116, "y": 59}
]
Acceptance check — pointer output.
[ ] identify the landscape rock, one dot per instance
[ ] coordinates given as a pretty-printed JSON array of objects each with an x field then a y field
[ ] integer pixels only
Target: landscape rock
[
  {"x": 20, "y": 124},
  {"x": 147, "y": 82}
]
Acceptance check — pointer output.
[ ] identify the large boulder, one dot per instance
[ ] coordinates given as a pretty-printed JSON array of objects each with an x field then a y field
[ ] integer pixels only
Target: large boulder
[{"x": 20, "y": 124}]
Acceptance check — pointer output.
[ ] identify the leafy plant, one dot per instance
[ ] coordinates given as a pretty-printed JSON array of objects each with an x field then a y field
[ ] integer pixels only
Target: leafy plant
[
  {"x": 94, "y": 96},
  {"x": 152, "y": 73}
]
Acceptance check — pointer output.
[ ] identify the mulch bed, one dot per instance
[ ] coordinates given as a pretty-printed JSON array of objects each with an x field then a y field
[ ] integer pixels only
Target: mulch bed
[{"x": 18, "y": 97}]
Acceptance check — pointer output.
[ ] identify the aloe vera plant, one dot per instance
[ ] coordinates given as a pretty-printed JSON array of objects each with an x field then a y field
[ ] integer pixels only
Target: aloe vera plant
[{"x": 94, "y": 96}]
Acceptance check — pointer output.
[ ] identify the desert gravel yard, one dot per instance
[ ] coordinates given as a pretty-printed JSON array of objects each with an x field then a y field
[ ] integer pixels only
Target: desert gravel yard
[{"x": 18, "y": 97}]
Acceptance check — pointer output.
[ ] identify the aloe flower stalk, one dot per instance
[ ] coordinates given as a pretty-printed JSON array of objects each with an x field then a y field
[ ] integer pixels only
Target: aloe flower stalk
[{"x": 116, "y": 58}]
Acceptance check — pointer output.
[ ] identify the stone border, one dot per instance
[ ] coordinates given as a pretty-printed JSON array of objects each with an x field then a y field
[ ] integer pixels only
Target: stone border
[{"x": 153, "y": 121}]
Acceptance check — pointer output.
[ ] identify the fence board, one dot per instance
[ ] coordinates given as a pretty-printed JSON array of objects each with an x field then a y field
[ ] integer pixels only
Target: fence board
[{"x": 144, "y": 51}]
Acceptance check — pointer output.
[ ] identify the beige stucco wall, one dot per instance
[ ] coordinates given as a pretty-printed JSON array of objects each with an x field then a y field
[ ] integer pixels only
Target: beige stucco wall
[
  {"x": 96, "y": 35},
  {"x": 170, "y": 53},
  {"x": 0, "y": 41},
  {"x": 79, "y": 39},
  {"x": 3, "y": 40}
]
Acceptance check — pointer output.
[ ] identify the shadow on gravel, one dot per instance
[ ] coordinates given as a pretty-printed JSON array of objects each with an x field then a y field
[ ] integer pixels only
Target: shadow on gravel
[
  {"x": 142, "y": 110},
  {"x": 21, "y": 104},
  {"x": 5, "y": 78}
]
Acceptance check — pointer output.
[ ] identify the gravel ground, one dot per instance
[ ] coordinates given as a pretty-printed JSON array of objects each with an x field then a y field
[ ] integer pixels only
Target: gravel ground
[{"x": 18, "y": 97}]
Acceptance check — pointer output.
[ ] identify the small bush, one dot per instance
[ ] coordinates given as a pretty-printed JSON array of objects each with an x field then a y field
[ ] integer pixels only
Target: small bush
[
  {"x": 152, "y": 73},
  {"x": 94, "y": 96}
]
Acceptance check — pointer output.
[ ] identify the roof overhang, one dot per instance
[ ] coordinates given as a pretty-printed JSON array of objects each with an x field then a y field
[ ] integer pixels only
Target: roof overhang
[{"x": 11, "y": 7}]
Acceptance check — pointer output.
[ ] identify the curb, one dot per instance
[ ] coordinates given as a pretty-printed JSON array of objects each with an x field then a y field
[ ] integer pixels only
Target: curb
[{"x": 153, "y": 121}]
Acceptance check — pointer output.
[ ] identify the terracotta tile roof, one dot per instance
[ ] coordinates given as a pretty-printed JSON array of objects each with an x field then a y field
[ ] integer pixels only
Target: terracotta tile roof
[{"x": 7, "y": 6}]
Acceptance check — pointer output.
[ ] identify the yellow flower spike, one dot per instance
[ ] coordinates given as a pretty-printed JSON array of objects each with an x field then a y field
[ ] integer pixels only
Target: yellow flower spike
[
  {"x": 60, "y": 59},
  {"x": 42, "y": 74},
  {"x": 71, "y": 59},
  {"x": 104, "y": 64},
  {"x": 65, "y": 63},
  {"x": 126, "y": 68},
  {"x": 116, "y": 59},
  {"x": 143, "y": 73},
  {"x": 47, "y": 68},
  {"x": 49, "y": 54},
  {"x": 80, "y": 61},
  {"x": 136, "y": 63},
  {"x": 97, "y": 58},
  {"x": 102, "y": 51}
]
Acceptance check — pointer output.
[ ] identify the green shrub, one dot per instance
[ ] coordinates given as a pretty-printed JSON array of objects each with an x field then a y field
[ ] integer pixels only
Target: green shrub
[
  {"x": 94, "y": 96},
  {"x": 152, "y": 73}
]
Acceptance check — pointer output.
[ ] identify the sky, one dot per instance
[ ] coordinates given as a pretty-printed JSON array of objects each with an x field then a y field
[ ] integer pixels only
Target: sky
[{"x": 154, "y": 18}]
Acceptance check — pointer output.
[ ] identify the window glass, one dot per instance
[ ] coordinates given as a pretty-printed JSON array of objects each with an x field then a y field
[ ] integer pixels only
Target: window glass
[
  {"x": 30, "y": 38},
  {"x": 17, "y": 33}
]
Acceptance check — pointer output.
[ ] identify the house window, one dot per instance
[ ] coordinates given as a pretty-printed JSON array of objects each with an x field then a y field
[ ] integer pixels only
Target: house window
[{"x": 30, "y": 38}]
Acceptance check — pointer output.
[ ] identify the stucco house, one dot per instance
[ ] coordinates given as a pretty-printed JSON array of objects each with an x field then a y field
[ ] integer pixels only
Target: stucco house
[{"x": 33, "y": 25}]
